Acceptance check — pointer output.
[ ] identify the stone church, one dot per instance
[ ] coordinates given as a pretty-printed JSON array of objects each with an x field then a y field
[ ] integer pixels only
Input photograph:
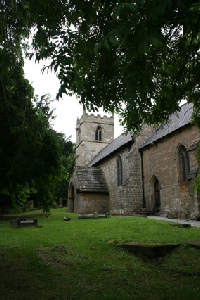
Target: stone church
[{"x": 152, "y": 173}]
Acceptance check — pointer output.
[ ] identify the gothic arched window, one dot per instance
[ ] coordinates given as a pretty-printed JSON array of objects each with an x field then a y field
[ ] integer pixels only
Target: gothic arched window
[
  {"x": 184, "y": 165},
  {"x": 98, "y": 134},
  {"x": 119, "y": 171}
]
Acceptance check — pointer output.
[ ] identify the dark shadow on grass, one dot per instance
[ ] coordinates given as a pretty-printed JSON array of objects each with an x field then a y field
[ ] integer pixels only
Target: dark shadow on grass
[{"x": 150, "y": 251}]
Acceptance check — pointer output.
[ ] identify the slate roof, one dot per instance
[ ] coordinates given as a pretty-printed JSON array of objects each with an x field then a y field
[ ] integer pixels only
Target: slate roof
[
  {"x": 115, "y": 145},
  {"x": 176, "y": 121},
  {"x": 90, "y": 180}
]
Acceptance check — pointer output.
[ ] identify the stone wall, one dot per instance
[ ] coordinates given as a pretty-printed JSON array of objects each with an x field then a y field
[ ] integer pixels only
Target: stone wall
[
  {"x": 84, "y": 198},
  {"x": 86, "y": 145},
  {"x": 127, "y": 198},
  {"x": 91, "y": 202},
  {"x": 159, "y": 164},
  {"x": 160, "y": 161}
]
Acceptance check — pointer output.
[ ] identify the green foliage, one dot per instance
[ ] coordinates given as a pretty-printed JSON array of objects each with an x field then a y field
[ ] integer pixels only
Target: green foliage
[
  {"x": 137, "y": 58},
  {"x": 31, "y": 155},
  {"x": 31, "y": 152},
  {"x": 68, "y": 162},
  {"x": 143, "y": 54}
]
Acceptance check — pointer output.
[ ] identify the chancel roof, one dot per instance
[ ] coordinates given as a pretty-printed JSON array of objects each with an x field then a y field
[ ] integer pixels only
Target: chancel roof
[
  {"x": 90, "y": 180},
  {"x": 176, "y": 121},
  {"x": 115, "y": 145}
]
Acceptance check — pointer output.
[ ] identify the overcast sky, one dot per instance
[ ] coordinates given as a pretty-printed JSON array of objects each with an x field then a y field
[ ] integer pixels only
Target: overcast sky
[{"x": 67, "y": 109}]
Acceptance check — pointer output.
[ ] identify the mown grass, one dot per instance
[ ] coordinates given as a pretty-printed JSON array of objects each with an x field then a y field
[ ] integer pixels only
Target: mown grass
[{"x": 80, "y": 259}]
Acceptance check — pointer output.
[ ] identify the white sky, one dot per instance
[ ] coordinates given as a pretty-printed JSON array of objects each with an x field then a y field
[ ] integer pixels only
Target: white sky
[{"x": 67, "y": 109}]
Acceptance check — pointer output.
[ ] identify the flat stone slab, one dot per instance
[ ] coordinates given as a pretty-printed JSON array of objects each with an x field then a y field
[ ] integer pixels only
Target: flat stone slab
[
  {"x": 149, "y": 250},
  {"x": 23, "y": 223},
  {"x": 93, "y": 216}
]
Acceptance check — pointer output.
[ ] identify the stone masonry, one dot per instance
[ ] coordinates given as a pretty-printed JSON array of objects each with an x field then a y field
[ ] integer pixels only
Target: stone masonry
[
  {"x": 151, "y": 179},
  {"x": 160, "y": 160},
  {"x": 86, "y": 145}
]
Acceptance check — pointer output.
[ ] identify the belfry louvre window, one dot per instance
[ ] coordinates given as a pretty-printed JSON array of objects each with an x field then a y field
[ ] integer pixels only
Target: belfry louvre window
[
  {"x": 119, "y": 171},
  {"x": 98, "y": 134},
  {"x": 184, "y": 165}
]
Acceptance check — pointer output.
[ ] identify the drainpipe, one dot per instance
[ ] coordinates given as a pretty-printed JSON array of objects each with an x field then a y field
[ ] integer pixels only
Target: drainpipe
[{"x": 142, "y": 169}]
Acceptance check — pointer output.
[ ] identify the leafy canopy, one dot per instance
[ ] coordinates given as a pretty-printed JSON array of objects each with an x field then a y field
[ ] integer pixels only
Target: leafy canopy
[
  {"x": 31, "y": 152},
  {"x": 139, "y": 58}
]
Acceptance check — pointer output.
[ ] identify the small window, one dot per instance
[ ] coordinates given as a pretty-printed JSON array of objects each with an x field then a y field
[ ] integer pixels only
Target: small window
[
  {"x": 119, "y": 171},
  {"x": 184, "y": 166},
  {"x": 79, "y": 136},
  {"x": 98, "y": 134}
]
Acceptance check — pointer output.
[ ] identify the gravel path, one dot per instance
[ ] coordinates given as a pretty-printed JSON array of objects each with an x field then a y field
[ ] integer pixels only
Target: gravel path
[{"x": 180, "y": 221}]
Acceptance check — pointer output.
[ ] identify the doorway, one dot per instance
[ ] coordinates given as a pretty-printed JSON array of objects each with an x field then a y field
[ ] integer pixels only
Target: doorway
[{"x": 157, "y": 202}]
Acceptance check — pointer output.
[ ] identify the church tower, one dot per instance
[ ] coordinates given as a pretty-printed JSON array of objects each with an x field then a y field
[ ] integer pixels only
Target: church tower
[{"x": 93, "y": 133}]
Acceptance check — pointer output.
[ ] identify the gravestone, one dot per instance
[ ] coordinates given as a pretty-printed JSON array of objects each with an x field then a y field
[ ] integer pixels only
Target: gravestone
[{"x": 17, "y": 223}]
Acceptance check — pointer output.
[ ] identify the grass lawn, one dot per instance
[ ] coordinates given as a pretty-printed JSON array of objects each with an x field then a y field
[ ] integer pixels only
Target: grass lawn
[{"x": 80, "y": 259}]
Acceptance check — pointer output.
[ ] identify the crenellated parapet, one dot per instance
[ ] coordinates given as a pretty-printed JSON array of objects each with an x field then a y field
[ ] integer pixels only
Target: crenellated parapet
[{"x": 92, "y": 118}]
